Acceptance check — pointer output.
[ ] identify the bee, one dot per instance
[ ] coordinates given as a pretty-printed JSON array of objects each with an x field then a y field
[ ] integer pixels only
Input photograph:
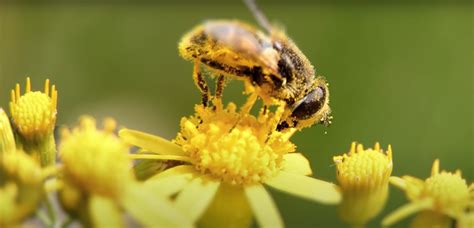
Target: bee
[{"x": 268, "y": 62}]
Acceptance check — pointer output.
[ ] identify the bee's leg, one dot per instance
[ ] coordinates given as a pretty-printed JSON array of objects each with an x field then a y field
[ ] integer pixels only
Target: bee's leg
[
  {"x": 201, "y": 83},
  {"x": 220, "y": 83},
  {"x": 220, "y": 86},
  {"x": 249, "y": 103},
  {"x": 245, "y": 109},
  {"x": 265, "y": 110}
]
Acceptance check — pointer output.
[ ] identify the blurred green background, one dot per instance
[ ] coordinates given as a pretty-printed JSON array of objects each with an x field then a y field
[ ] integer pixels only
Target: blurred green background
[{"x": 400, "y": 74}]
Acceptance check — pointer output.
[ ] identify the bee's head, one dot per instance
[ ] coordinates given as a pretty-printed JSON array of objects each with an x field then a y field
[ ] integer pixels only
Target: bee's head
[{"x": 311, "y": 108}]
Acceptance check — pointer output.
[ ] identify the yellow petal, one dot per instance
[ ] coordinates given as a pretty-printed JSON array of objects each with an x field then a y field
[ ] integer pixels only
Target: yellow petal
[
  {"x": 406, "y": 210},
  {"x": 150, "y": 143},
  {"x": 306, "y": 187},
  {"x": 297, "y": 163},
  {"x": 263, "y": 206},
  {"x": 151, "y": 209},
  {"x": 104, "y": 212},
  {"x": 160, "y": 157},
  {"x": 398, "y": 182},
  {"x": 168, "y": 185},
  {"x": 196, "y": 197},
  {"x": 177, "y": 170},
  {"x": 413, "y": 187}
]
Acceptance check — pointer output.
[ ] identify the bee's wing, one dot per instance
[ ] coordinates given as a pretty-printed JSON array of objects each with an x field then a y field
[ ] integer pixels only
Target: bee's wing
[{"x": 247, "y": 43}]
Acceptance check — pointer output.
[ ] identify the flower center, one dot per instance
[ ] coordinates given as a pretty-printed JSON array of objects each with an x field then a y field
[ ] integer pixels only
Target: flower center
[
  {"x": 449, "y": 190},
  {"x": 234, "y": 147},
  {"x": 96, "y": 160},
  {"x": 364, "y": 167},
  {"x": 34, "y": 113}
]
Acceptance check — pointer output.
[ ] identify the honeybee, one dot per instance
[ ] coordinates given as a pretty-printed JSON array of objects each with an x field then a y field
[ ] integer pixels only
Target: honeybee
[{"x": 268, "y": 62}]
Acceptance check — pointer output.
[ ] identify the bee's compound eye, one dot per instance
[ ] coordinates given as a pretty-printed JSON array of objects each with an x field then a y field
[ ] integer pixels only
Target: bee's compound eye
[{"x": 310, "y": 105}]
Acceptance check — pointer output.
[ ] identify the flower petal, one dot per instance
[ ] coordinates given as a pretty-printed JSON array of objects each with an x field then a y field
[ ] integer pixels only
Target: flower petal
[
  {"x": 406, "y": 210},
  {"x": 413, "y": 187},
  {"x": 169, "y": 184},
  {"x": 196, "y": 197},
  {"x": 104, "y": 212},
  {"x": 306, "y": 187},
  {"x": 297, "y": 163},
  {"x": 150, "y": 142},
  {"x": 263, "y": 206},
  {"x": 177, "y": 170},
  {"x": 151, "y": 209},
  {"x": 160, "y": 157},
  {"x": 398, "y": 182}
]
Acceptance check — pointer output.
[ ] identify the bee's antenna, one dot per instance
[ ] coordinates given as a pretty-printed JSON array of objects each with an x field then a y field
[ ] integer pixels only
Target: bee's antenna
[{"x": 258, "y": 14}]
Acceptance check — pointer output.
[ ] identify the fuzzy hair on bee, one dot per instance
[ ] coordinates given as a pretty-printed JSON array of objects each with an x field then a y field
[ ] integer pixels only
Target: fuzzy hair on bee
[{"x": 270, "y": 64}]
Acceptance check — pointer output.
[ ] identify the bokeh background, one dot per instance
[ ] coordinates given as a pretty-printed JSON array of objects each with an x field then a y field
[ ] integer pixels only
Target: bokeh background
[{"x": 399, "y": 73}]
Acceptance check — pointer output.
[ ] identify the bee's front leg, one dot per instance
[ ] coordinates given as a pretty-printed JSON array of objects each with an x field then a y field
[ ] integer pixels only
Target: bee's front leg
[
  {"x": 200, "y": 82},
  {"x": 217, "y": 100},
  {"x": 220, "y": 83}
]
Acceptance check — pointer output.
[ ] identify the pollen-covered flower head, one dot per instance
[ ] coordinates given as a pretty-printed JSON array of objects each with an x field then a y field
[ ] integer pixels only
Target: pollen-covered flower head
[
  {"x": 363, "y": 176},
  {"x": 34, "y": 113},
  {"x": 7, "y": 141},
  {"x": 443, "y": 192},
  {"x": 235, "y": 148},
  {"x": 94, "y": 159},
  {"x": 227, "y": 156}
]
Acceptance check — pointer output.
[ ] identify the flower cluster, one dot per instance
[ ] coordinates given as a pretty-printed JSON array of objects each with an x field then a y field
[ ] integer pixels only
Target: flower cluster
[{"x": 216, "y": 172}]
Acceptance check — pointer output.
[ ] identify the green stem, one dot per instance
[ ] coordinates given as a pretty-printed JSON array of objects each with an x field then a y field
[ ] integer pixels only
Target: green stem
[
  {"x": 44, "y": 149},
  {"x": 67, "y": 222},
  {"x": 51, "y": 211},
  {"x": 43, "y": 218},
  {"x": 48, "y": 151}
]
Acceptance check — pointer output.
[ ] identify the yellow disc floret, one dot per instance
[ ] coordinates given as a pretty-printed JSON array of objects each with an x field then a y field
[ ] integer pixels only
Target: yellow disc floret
[
  {"x": 363, "y": 168},
  {"x": 449, "y": 190},
  {"x": 443, "y": 194},
  {"x": 95, "y": 160},
  {"x": 233, "y": 146},
  {"x": 363, "y": 175},
  {"x": 34, "y": 113}
]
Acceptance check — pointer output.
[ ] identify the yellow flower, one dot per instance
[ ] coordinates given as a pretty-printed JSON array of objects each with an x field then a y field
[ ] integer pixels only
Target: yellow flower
[
  {"x": 21, "y": 180},
  {"x": 7, "y": 142},
  {"x": 227, "y": 156},
  {"x": 34, "y": 117},
  {"x": 363, "y": 176},
  {"x": 34, "y": 113},
  {"x": 444, "y": 193},
  {"x": 98, "y": 181}
]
